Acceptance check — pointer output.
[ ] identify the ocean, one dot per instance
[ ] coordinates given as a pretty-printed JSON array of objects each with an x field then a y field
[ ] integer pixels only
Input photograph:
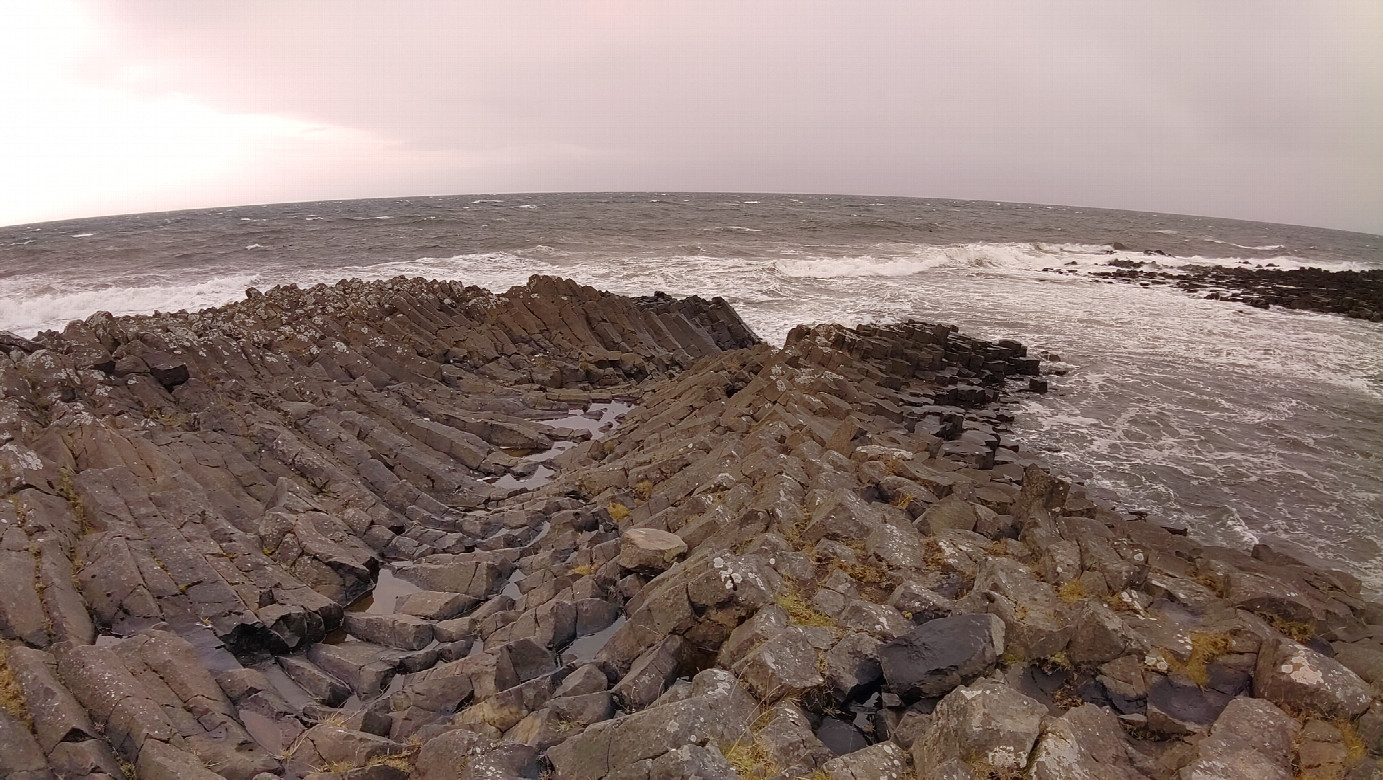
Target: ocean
[{"x": 1246, "y": 425}]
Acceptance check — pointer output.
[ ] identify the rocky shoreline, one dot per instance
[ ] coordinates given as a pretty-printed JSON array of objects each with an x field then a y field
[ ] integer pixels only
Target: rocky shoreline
[
  {"x": 381, "y": 530},
  {"x": 1354, "y": 294}
]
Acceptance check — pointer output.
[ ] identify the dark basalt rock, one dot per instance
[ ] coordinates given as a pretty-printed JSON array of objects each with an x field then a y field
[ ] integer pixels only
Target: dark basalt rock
[
  {"x": 941, "y": 654},
  {"x": 770, "y": 540},
  {"x": 1355, "y": 294}
]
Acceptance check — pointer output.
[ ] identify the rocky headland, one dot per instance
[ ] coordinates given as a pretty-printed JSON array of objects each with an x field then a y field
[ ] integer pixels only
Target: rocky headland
[
  {"x": 1354, "y": 294},
  {"x": 384, "y": 530}
]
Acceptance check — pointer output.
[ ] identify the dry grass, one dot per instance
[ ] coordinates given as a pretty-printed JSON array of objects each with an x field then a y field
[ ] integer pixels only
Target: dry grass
[
  {"x": 1072, "y": 591},
  {"x": 1294, "y": 629},
  {"x": 1205, "y": 648},
  {"x": 902, "y": 500},
  {"x": 68, "y": 490},
  {"x": 800, "y": 612},
  {"x": 618, "y": 512},
  {"x": 932, "y": 554},
  {"x": 11, "y": 698},
  {"x": 584, "y": 570},
  {"x": 643, "y": 490},
  {"x": 986, "y": 771},
  {"x": 750, "y": 760},
  {"x": 1349, "y": 737},
  {"x": 402, "y": 760}
]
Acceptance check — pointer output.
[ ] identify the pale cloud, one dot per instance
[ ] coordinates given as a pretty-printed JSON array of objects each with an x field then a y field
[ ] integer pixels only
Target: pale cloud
[{"x": 1263, "y": 110}]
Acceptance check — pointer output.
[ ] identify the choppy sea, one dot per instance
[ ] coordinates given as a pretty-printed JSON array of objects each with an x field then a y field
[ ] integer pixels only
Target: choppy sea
[{"x": 1247, "y": 425}]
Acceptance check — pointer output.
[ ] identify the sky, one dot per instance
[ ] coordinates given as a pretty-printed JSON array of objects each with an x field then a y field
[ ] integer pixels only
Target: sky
[{"x": 1252, "y": 109}]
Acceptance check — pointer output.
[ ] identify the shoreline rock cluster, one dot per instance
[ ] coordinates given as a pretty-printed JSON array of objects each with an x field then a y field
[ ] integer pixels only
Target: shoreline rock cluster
[
  {"x": 363, "y": 531},
  {"x": 1354, "y": 294}
]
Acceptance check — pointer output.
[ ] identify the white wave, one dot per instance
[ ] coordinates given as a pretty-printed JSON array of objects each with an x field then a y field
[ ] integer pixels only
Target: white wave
[
  {"x": 487, "y": 200},
  {"x": 30, "y": 304},
  {"x": 909, "y": 259},
  {"x": 528, "y": 206},
  {"x": 839, "y": 267},
  {"x": 82, "y": 235},
  {"x": 258, "y": 246}
]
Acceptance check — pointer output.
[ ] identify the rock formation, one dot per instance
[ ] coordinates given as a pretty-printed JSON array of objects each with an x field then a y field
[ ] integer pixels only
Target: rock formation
[
  {"x": 378, "y": 530},
  {"x": 1354, "y": 294}
]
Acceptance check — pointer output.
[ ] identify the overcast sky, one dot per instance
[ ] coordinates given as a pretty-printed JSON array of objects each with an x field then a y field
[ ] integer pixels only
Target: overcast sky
[{"x": 1254, "y": 109}]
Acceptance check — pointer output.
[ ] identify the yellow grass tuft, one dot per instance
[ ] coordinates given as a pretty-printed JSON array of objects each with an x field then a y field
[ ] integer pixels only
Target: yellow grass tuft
[
  {"x": 800, "y": 612},
  {"x": 618, "y": 511},
  {"x": 1072, "y": 591},
  {"x": 751, "y": 761},
  {"x": 11, "y": 698},
  {"x": 1205, "y": 648}
]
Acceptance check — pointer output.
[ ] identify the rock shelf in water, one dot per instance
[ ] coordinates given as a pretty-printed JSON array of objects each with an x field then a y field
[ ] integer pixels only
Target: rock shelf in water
[{"x": 819, "y": 561}]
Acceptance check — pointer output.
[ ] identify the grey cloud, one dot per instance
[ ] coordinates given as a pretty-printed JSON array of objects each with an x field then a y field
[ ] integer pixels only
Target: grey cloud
[{"x": 1261, "y": 110}]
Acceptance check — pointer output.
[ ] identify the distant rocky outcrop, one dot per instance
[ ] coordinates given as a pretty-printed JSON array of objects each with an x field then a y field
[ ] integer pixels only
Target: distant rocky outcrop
[
  {"x": 1354, "y": 294},
  {"x": 356, "y": 531}
]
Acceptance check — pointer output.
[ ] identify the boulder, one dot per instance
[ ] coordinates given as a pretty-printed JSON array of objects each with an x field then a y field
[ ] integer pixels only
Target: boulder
[
  {"x": 435, "y": 605},
  {"x": 704, "y": 763},
  {"x": 651, "y": 673},
  {"x": 1298, "y": 678},
  {"x": 939, "y": 655},
  {"x": 717, "y": 711},
  {"x": 1087, "y": 743},
  {"x": 987, "y": 724},
  {"x": 1179, "y": 709},
  {"x": 650, "y": 550},
  {"x": 787, "y": 742},
  {"x": 883, "y": 760},
  {"x": 20, "y": 756},
  {"x": 402, "y": 632},
  {"x": 784, "y": 665}
]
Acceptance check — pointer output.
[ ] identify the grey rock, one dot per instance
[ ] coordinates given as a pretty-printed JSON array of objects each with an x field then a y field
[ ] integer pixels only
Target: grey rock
[
  {"x": 1296, "y": 677},
  {"x": 852, "y": 664},
  {"x": 367, "y": 668},
  {"x": 840, "y": 737},
  {"x": 460, "y": 754},
  {"x": 435, "y": 605},
  {"x": 402, "y": 632},
  {"x": 650, "y": 550},
  {"x": 1087, "y": 743},
  {"x": 1035, "y": 620},
  {"x": 161, "y": 761},
  {"x": 950, "y": 512},
  {"x": 919, "y": 604},
  {"x": 57, "y": 715},
  {"x": 20, "y": 756},
  {"x": 789, "y": 743},
  {"x": 879, "y": 761},
  {"x": 717, "y": 711},
  {"x": 1179, "y": 709},
  {"x": 586, "y": 679},
  {"x": 321, "y": 686},
  {"x": 941, "y": 654},
  {"x": 651, "y": 673},
  {"x": 987, "y": 723},
  {"x": 688, "y": 761},
  {"x": 784, "y": 665}
]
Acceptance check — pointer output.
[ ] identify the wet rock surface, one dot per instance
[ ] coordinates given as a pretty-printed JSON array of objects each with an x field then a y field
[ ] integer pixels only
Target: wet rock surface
[
  {"x": 381, "y": 530},
  {"x": 1355, "y": 294}
]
